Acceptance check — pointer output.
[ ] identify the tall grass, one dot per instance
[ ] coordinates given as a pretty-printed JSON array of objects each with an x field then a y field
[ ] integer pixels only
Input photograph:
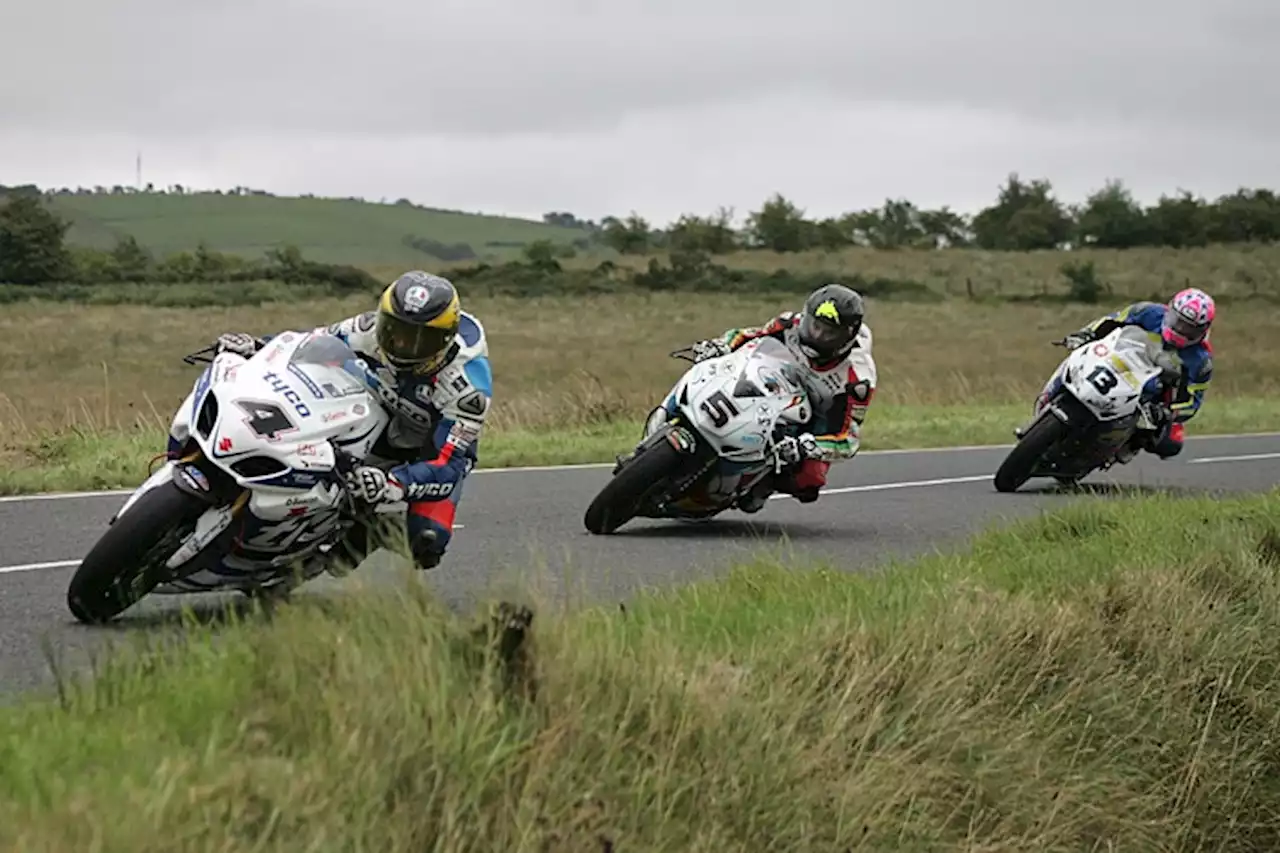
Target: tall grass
[{"x": 1099, "y": 679}]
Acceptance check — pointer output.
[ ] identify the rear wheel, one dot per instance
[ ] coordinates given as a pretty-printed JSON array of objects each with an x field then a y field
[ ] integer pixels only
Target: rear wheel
[
  {"x": 621, "y": 498},
  {"x": 1022, "y": 459},
  {"x": 128, "y": 561}
]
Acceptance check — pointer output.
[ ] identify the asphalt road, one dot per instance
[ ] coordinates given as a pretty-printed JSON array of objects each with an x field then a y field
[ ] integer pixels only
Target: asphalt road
[{"x": 527, "y": 523}]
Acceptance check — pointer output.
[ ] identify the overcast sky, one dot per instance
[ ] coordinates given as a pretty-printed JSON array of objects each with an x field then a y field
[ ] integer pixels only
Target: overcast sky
[{"x": 662, "y": 106}]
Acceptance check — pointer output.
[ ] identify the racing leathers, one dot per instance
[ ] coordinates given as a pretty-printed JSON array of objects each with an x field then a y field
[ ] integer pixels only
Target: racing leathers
[
  {"x": 1183, "y": 402},
  {"x": 841, "y": 393},
  {"x": 430, "y": 445}
]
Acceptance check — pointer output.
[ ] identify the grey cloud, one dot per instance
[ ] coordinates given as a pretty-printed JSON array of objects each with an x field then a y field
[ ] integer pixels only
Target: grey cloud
[{"x": 400, "y": 67}]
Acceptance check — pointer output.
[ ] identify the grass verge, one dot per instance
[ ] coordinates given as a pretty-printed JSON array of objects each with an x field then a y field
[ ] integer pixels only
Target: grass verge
[
  {"x": 1101, "y": 678},
  {"x": 74, "y": 459}
]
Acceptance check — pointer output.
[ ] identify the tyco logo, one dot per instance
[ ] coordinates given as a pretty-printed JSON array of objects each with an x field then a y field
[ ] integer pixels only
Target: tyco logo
[{"x": 280, "y": 387}]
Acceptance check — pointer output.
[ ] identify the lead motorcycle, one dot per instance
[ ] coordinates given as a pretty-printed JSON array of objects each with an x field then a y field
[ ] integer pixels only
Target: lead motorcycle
[
  {"x": 1100, "y": 395},
  {"x": 257, "y": 487},
  {"x": 711, "y": 439}
]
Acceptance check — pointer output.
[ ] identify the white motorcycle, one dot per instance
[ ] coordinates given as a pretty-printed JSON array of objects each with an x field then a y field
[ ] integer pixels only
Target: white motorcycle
[
  {"x": 1100, "y": 395},
  {"x": 257, "y": 487},
  {"x": 710, "y": 441}
]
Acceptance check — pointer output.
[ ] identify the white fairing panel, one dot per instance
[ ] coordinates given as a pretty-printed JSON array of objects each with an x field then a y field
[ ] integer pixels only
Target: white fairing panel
[
  {"x": 1108, "y": 375},
  {"x": 735, "y": 400}
]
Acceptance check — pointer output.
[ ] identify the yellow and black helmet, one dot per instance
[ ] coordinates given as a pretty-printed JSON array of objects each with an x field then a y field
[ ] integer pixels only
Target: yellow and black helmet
[
  {"x": 418, "y": 317},
  {"x": 830, "y": 323}
]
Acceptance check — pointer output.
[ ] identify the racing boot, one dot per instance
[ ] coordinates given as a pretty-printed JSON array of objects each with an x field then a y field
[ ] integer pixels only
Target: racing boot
[
  {"x": 426, "y": 553},
  {"x": 1130, "y": 449},
  {"x": 756, "y": 497}
]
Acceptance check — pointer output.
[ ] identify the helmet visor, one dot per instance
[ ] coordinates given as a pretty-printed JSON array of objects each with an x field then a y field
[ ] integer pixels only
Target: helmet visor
[
  {"x": 406, "y": 344},
  {"x": 1181, "y": 328},
  {"x": 824, "y": 338}
]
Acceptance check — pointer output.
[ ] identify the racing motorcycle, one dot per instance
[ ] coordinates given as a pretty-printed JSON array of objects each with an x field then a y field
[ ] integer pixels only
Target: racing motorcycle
[
  {"x": 1100, "y": 395},
  {"x": 709, "y": 441},
  {"x": 257, "y": 487}
]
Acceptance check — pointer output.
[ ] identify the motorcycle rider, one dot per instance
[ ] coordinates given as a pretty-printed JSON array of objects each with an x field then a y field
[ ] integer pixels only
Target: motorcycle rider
[
  {"x": 427, "y": 361},
  {"x": 1183, "y": 326},
  {"x": 830, "y": 338}
]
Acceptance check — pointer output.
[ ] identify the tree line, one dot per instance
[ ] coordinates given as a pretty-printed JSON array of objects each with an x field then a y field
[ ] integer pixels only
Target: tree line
[
  {"x": 34, "y": 251},
  {"x": 1025, "y": 216}
]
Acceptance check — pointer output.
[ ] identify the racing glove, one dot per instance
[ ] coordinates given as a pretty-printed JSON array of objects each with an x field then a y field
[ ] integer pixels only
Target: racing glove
[
  {"x": 240, "y": 343},
  {"x": 704, "y": 350},
  {"x": 1076, "y": 340},
  {"x": 791, "y": 449},
  {"x": 374, "y": 486}
]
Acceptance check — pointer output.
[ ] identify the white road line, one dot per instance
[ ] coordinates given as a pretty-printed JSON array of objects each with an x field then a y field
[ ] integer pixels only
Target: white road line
[
  {"x": 1246, "y": 457},
  {"x": 587, "y": 466},
  {"x": 31, "y": 567},
  {"x": 62, "y": 496},
  {"x": 62, "y": 564}
]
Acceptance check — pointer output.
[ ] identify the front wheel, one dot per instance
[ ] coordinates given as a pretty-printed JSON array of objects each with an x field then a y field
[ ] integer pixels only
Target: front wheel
[
  {"x": 1035, "y": 442},
  {"x": 128, "y": 561},
  {"x": 621, "y": 498}
]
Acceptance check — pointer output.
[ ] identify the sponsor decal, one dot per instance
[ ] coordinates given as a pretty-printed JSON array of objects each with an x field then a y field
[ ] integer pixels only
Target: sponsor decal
[
  {"x": 474, "y": 403},
  {"x": 194, "y": 478},
  {"x": 681, "y": 439},
  {"x": 428, "y": 490},
  {"x": 281, "y": 387},
  {"x": 416, "y": 297}
]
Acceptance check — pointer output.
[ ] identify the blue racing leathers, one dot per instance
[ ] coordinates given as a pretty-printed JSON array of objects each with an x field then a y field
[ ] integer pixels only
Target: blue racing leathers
[{"x": 430, "y": 445}]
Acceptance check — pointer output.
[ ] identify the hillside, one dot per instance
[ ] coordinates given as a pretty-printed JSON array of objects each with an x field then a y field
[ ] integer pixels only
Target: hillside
[{"x": 329, "y": 230}]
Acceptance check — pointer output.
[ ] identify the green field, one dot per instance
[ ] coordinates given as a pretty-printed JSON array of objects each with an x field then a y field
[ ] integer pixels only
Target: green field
[
  {"x": 86, "y": 391},
  {"x": 326, "y": 230},
  {"x": 1104, "y": 678}
]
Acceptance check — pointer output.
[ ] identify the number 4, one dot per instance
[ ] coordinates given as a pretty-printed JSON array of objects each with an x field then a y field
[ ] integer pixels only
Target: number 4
[
  {"x": 719, "y": 408},
  {"x": 266, "y": 419}
]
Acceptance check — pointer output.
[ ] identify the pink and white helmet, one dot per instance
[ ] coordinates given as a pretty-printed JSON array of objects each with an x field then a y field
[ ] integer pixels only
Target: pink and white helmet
[{"x": 1187, "y": 317}]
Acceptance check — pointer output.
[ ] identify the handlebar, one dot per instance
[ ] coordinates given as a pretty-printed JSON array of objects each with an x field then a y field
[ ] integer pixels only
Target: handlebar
[
  {"x": 684, "y": 353},
  {"x": 343, "y": 462},
  {"x": 201, "y": 356}
]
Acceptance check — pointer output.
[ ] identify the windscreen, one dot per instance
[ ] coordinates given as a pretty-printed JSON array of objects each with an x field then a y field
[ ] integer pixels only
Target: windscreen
[
  {"x": 324, "y": 350},
  {"x": 774, "y": 373}
]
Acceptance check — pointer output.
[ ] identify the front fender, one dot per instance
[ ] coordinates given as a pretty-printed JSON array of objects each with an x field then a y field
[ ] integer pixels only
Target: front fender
[{"x": 159, "y": 477}]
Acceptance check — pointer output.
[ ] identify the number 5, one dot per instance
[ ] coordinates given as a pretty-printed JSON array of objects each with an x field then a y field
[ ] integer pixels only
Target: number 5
[{"x": 720, "y": 409}]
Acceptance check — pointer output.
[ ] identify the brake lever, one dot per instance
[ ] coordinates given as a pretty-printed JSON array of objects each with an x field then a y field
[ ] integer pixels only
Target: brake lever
[
  {"x": 199, "y": 356},
  {"x": 684, "y": 354}
]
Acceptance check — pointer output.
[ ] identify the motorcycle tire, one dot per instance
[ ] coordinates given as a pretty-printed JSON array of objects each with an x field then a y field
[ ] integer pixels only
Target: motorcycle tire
[
  {"x": 128, "y": 561},
  {"x": 620, "y": 499},
  {"x": 1021, "y": 461}
]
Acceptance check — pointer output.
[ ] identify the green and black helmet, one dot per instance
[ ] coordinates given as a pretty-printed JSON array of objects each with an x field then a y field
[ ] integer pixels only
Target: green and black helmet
[
  {"x": 418, "y": 318},
  {"x": 830, "y": 323}
]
